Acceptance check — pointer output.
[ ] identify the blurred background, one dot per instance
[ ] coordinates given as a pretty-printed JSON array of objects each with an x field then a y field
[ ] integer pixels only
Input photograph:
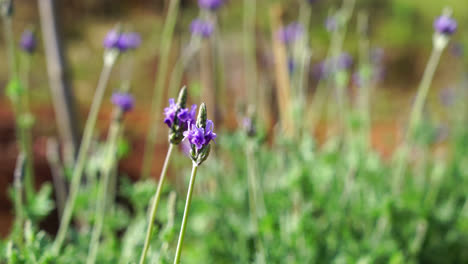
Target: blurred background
[{"x": 401, "y": 28}]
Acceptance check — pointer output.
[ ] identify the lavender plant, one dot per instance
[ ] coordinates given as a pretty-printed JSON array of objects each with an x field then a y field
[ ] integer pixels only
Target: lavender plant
[
  {"x": 124, "y": 103},
  {"x": 114, "y": 44},
  {"x": 178, "y": 119},
  {"x": 199, "y": 135},
  {"x": 444, "y": 27}
]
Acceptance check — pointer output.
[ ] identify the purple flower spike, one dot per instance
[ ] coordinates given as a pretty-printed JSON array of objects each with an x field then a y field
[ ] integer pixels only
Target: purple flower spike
[
  {"x": 170, "y": 113},
  {"x": 210, "y": 4},
  {"x": 199, "y": 136},
  {"x": 290, "y": 33},
  {"x": 186, "y": 117},
  {"x": 125, "y": 101},
  {"x": 345, "y": 61},
  {"x": 112, "y": 39},
  {"x": 331, "y": 24},
  {"x": 28, "y": 41},
  {"x": 202, "y": 28},
  {"x": 445, "y": 25},
  {"x": 131, "y": 40}
]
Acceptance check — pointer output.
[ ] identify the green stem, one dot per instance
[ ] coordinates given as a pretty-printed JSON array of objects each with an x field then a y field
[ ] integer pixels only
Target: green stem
[
  {"x": 27, "y": 129},
  {"x": 415, "y": 117},
  {"x": 155, "y": 205},
  {"x": 365, "y": 88},
  {"x": 250, "y": 61},
  {"x": 186, "y": 212},
  {"x": 10, "y": 42},
  {"x": 83, "y": 152},
  {"x": 24, "y": 137},
  {"x": 19, "y": 211},
  {"x": 114, "y": 132},
  {"x": 166, "y": 43},
  {"x": 182, "y": 64},
  {"x": 255, "y": 197},
  {"x": 301, "y": 55}
]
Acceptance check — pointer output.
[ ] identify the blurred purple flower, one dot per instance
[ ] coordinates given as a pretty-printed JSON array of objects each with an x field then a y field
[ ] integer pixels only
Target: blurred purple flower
[
  {"x": 447, "y": 97},
  {"x": 445, "y": 25},
  {"x": 291, "y": 66},
  {"x": 345, "y": 61},
  {"x": 312, "y": 1},
  {"x": 199, "y": 136},
  {"x": 121, "y": 41},
  {"x": 323, "y": 69},
  {"x": 185, "y": 148},
  {"x": 320, "y": 70},
  {"x": 28, "y": 41},
  {"x": 331, "y": 24},
  {"x": 124, "y": 101},
  {"x": 457, "y": 50},
  {"x": 357, "y": 79},
  {"x": 377, "y": 56},
  {"x": 210, "y": 4},
  {"x": 202, "y": 28},
  {"x": 111, "y": 41},
  {"x": 290, "y": 33},
  {"x": 249, "y": 126},
  {"x": 130, "y": 40}
]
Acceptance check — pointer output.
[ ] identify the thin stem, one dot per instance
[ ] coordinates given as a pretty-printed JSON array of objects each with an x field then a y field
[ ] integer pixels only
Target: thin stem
[
  {"x": 250, "y": 61},
  {"x": 10, "y": 42},
  {"x": 415, "y": 117},
  {"x": 166, "y": 43},
  {"x": 82, "y": 156},
  {"x": 27, "y": 128},
  {"x": 301, "y": 54},
  {"x": 155, "y": 205},
  {"x": 182, "y": 63},
  {"x": 104, "y": 186},
  {"x": 186, "y": 212},
  {"x": 18, "y": 184},
  {"x": 364, "y": 89},
  {"x": 257, "y": 206}
]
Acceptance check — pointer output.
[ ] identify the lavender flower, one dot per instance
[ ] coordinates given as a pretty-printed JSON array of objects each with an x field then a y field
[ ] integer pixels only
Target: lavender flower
[
  {"x": 201, "y": 28},
  {"x": 178, "y": 118},
  {"x": 344, "y": 61},
  {"x": 312, "y": 1},
  {"x": 210, "y": 4},
  {"x": 445, "y": 25},
  {"x": 325, "y": 68},
  {"x": 199, "y": 136},
  {"x": 331, "y": 24},
  {"x": 111, "y": 41},
  {"x": 184, "y": 115},
  {"x": 457, "y": 50},
  {"x": 130, "y": 40},
  {"x": 170, "y": 113},
  {"x": 124, "y": 101},
  {"x": 290, "y": 33},
  {"x": 291, "y": 66},
  {"x": 28, "y": 41},
  {"x": 447, "y": 97},
  {"x": 377, "y": 56},
  {"x": 249, "y": 126},
  {"x": 121, "y": 41}
]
